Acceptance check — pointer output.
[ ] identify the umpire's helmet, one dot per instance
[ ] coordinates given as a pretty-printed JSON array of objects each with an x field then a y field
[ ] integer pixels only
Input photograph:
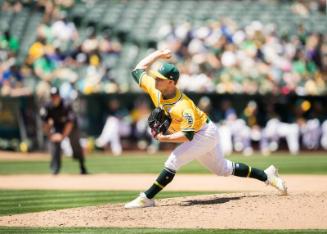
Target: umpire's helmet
[{"x": 54, "y": 91}]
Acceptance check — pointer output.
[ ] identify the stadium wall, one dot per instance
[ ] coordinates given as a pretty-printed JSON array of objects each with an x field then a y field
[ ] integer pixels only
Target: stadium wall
[{"x": 19, "y": 119}]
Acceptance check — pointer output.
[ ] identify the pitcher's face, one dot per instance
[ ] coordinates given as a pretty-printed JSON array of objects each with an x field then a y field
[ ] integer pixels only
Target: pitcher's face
[{"x": 162, "y": 84}]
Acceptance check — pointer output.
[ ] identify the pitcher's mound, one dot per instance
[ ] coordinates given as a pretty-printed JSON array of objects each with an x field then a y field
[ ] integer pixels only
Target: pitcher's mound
[{"x": 234, "y": 210}]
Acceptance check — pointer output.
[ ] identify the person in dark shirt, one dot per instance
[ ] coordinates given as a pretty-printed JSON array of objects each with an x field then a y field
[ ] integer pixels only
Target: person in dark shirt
[{"x": 60, "y": 121}]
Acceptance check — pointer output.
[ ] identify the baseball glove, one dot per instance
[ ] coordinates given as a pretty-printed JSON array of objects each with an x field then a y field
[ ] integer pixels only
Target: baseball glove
[{"x": 158, "y": 121}]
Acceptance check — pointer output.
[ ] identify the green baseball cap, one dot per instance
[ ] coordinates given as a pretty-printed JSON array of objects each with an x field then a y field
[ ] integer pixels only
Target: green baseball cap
[{"x": 166, "y": 71}]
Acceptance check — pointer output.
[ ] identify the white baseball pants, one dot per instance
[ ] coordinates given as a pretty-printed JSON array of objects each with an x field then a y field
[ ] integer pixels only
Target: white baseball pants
[{"x": 205, "y": 147}]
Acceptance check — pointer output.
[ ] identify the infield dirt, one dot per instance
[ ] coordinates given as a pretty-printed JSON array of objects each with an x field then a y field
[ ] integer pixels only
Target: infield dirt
[{"x": 253, "y": 206}]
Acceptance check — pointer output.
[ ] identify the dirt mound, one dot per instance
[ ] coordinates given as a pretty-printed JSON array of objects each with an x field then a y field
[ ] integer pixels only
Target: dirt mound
[
  {"x": 258, "y": 206},
  {"x": 235, "y": 210}
]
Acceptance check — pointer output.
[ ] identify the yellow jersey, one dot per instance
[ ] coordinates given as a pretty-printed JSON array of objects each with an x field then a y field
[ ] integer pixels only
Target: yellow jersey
[{"x": 185, "y": 115}]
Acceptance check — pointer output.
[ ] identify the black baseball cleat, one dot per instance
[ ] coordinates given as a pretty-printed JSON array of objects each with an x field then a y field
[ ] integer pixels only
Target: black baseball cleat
[
  {"x": 55, "y": 173},
  {"x": 84, "y": 171}
]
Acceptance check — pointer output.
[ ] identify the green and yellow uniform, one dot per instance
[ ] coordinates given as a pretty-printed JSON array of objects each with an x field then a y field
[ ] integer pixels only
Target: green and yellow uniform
[
  {"x": 189, "y": 119},
  {"x": 185, "y": 115}
]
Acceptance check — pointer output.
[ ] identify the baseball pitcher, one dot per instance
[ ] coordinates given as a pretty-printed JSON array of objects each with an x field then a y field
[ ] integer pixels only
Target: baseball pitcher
[{"x": 176, "y": 119}]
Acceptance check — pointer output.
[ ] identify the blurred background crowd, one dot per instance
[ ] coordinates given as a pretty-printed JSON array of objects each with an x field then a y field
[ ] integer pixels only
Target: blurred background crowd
[
  {"x": 222, "y": 54},
  {"x": 221, "y": 57},
  {"x": 250, "y": 47}
]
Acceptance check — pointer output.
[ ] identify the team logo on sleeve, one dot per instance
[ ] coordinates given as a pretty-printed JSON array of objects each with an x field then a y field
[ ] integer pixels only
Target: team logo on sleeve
[{"x": 189, "y": 118}]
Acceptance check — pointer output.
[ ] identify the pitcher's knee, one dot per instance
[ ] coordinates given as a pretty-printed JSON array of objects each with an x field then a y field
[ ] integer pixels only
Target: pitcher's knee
[{"x": 173, "y": 163}]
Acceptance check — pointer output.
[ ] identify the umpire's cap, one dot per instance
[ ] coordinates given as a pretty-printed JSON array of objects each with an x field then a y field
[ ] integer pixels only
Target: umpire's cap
[
  {"x": 54, "y": 91},
  {"x": 167, "y": 71}
]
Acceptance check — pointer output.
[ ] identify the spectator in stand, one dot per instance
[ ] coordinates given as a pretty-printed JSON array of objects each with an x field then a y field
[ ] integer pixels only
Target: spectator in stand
[
  {"x": 54, "y": 8},
  {"x": 9, "y": 42},
  {"x": 64, "y": 32},
  {"x": 36, "y": 50},
  {"x": 11, "y": 79},
  {"x": 45, "y": 68},
  {"x": 93, "y": 74},
  {"x": 12, "y": 75},
  {"x": 13, "y": 6}
]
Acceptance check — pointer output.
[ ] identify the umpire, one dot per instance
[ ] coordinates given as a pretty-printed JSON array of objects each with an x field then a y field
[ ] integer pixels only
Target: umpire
[{"x": 59, "y": 122}]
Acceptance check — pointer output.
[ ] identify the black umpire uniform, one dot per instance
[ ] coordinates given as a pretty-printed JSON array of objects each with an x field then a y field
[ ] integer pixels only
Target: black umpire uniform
[{"x": 60, "y": 121}]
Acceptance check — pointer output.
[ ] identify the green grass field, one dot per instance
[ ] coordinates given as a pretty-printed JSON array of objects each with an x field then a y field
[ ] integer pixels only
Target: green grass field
[
  {"x": 25, "y": 201},
  {"x": 305, "y": 163}
]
